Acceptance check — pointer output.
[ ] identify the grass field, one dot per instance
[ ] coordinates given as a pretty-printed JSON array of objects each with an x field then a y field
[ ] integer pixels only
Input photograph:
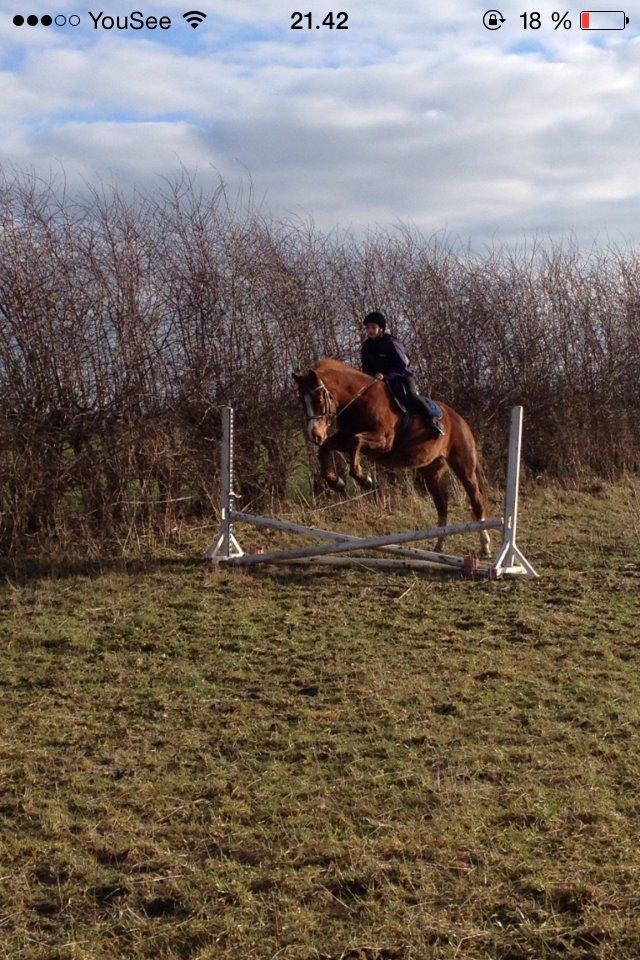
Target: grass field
[{"x": 319, "y": 766}]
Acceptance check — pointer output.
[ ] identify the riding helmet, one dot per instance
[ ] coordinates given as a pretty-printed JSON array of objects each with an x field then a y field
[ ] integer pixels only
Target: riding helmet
[{"x": 376, "y": 317}]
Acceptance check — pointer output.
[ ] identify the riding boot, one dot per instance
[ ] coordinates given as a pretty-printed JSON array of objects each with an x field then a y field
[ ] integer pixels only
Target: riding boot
[
  {"x": 422, "y": 408},
  {"x": 431, "y": 420}
]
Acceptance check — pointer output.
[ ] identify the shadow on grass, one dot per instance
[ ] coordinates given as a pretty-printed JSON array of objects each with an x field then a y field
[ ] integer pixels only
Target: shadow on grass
[
  {"x": 26, "y": 570},
  {"x": 291, "y": 574}
]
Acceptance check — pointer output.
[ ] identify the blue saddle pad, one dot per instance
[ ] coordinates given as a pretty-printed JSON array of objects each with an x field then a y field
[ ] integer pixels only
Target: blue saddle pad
[{"x": 433, "y": 406}]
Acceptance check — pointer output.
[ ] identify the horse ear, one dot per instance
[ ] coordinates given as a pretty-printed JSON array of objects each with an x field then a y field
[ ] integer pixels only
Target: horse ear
[
  {"x": 297, "y": 375},
  {"x": 313, "y": 375}
]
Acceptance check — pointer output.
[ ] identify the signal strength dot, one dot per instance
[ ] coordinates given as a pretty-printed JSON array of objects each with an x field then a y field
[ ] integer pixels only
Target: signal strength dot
[{"x": 194, "y": 18}]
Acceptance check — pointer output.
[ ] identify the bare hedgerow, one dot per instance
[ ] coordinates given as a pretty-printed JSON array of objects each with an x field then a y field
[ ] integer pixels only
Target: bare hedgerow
[{"x": 126, "y": 322}]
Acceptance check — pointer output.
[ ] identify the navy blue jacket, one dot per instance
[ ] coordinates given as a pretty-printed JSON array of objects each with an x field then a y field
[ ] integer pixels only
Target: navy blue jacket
[{"x": 387, "y": 356}]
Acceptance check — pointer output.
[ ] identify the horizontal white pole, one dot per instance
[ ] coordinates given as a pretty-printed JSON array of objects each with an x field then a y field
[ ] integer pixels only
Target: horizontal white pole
[
  {"x": 390, "y": 563},
  {"x": 238, "y": 516},
  {"x": 357, "y": 543}
]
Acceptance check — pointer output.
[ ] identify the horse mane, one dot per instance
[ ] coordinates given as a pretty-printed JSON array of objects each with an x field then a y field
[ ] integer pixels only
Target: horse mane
[{"x": 332, "y": 365}]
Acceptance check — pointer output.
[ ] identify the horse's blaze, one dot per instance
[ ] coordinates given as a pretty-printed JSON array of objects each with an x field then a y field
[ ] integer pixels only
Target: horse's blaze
[{"x": 316, "y": 429}]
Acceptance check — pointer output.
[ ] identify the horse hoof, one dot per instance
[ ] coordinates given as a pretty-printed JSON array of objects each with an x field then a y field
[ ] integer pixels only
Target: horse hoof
[{"x": 366, "y": 482}]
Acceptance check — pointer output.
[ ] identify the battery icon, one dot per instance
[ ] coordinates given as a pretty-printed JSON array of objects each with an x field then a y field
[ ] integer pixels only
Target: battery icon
[{"x": 603, "y": 20}]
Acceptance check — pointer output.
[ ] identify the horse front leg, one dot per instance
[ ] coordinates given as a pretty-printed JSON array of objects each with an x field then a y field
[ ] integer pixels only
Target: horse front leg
[
  {"x": 326, "y": 455},
  {"x": 367, "y": 442}
]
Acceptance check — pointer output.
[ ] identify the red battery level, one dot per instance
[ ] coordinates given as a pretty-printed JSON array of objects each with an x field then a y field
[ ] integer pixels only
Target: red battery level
[{"x": 603, "y": 20}]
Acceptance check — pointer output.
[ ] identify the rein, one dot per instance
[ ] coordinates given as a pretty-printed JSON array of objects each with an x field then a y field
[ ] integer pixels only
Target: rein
[{"x": 332, "y": 413}]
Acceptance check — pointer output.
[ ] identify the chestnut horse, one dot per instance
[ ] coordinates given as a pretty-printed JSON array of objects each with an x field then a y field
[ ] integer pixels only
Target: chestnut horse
[{"x": 368, "y": 422}]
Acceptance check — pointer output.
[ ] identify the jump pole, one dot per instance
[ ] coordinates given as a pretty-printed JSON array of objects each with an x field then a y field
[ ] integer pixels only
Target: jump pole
[{"x": 510, "y": 560}]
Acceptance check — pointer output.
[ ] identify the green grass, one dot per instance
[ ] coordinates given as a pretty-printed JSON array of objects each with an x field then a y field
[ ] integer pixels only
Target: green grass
[{"x": 304, "y": 764}]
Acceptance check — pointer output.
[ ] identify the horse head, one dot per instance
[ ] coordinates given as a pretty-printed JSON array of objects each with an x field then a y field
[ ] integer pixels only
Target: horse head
[{"x": 319, "y": 405}]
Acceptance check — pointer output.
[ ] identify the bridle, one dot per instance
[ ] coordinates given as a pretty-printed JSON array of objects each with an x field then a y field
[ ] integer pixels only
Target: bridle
[
  {"x": 330, "y": 411},
  {"x": 328, "y": 405}
]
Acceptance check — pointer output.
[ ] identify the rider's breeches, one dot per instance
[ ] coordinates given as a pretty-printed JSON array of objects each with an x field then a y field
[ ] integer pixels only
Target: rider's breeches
[{"x": 414, "y": 397}]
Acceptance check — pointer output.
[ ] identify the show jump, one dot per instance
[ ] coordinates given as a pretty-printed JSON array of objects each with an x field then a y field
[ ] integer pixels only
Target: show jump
[{"x": 342, "y": 549}]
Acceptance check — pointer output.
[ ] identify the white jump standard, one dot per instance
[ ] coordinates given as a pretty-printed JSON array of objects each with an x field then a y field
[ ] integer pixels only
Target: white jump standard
[{"x": 509, "y": 562}]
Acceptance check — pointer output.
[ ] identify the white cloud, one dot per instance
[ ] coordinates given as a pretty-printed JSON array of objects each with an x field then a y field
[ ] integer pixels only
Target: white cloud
[
  {"x": 415, "y": 113},
  {"x": 131, "y": 151}
]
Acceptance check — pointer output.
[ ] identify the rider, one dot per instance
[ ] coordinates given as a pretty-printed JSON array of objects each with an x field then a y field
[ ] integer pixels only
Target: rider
[{"x": 384, "y": 358}]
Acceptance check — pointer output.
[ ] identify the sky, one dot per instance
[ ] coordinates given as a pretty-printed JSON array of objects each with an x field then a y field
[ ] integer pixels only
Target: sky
[{"x": 415, "y": 114}]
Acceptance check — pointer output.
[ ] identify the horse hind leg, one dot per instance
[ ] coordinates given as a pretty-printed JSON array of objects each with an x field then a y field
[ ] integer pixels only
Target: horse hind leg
[
  {"x": 471, "y": 475},
  {"x": 434, "y": 476}
]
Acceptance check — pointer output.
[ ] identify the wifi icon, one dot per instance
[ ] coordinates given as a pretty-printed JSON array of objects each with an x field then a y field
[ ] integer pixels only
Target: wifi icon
[{"x": 194, "y": 18}]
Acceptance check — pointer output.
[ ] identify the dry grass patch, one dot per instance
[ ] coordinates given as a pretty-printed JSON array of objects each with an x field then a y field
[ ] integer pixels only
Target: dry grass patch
[{"x": 319, "y": 766}]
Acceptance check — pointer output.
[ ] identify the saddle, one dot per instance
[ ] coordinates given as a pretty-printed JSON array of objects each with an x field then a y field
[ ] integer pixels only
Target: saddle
[{"x": 408, "y": 414}]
